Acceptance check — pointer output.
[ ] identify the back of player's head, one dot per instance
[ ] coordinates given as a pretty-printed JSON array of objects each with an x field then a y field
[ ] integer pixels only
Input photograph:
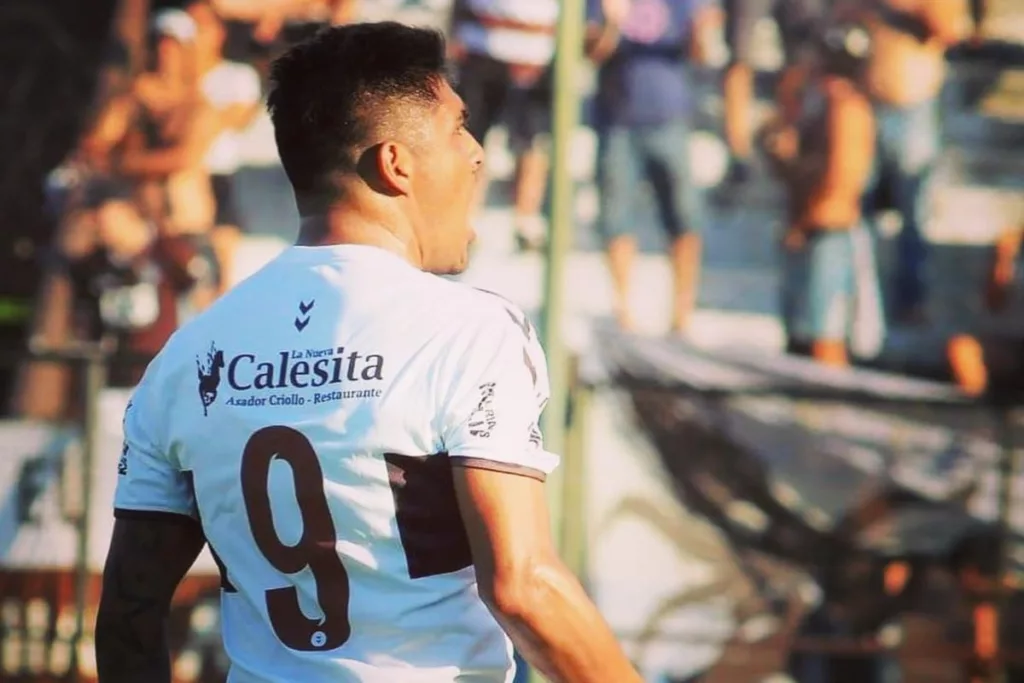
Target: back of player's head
[{"x": 333, "y": 95}]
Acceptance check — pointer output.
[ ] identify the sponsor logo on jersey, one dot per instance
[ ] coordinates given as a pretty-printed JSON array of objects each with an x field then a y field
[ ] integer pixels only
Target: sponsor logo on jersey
[
  {"x": 482, "y": 421},
  {"x": 290, "y": 378},
  {"x": 209, "y": 376},
  {"x": 303, "y": 318}
]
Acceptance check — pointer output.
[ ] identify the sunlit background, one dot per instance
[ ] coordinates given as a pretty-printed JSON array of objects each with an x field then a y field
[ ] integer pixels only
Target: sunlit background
[{"x": 740, "y": 509}]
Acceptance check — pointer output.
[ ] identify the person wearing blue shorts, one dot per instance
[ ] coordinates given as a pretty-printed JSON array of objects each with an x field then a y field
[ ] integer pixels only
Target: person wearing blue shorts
[
  {"x": 642, "y": 112},
  {"x": 830, "y": 296}
]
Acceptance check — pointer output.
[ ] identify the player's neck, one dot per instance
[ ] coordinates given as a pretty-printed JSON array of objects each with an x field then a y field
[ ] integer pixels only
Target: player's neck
[{"x": 345, "y": 224}]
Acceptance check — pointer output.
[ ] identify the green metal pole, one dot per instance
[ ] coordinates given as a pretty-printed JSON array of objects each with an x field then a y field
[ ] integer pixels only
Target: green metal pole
[
  {"x": 565, "y": 119},
  {"x": 566, "y": 114},
  {"x": 95, "y": 380},
  {"x": 574, "y": 516}
]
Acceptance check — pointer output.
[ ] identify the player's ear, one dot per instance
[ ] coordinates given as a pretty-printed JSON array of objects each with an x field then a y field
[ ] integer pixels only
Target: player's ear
[{"x": 388, "y": 167}]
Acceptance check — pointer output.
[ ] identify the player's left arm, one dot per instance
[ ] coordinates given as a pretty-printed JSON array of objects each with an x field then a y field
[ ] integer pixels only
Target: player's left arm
[
  {"x": 147, "y": 560},
  {"x": 495, "y": 385},
  {"x": 156, "y": 538}
]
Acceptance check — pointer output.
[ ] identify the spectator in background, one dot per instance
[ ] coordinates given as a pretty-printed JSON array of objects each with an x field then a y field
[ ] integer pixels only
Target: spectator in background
[
  {"x": 979, "y": 14},
  {"x": 825, "y": 159},
  {"x": 164, "y": 155},
  {"x": 165, "y": 93},
  {"x": 127, "y": 281},
  {"x": 233, "y": 90},
  {"x": 982, "y": 363},
  {"x": 1003, "y": 269},
  {"x": 287, "y": 20},
  {"x": 86, "y": 172},
  {"x": 228, "y": 93},
  {"x": 904, "y": 79},
  {"x": 112, "y": 276},
  {"x": 74, "y": 191},
  {"x": 642, "y": 118},
  {"x": 797, "y": 21},
  {"x": 503, "y": 51},
  {"x": 172, "y": 68}
]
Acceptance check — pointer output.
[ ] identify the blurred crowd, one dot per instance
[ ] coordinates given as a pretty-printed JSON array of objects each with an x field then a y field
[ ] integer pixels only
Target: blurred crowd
[
  {"x": 150, "y": 224},
  {"x": 147, "y": 215},
  {"x": 149, "y": 220}
]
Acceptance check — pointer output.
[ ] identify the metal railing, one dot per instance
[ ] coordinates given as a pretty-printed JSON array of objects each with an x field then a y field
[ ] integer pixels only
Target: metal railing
[
  {"x": 90, "y": 363},
  {"x": 993, "y": 592}
]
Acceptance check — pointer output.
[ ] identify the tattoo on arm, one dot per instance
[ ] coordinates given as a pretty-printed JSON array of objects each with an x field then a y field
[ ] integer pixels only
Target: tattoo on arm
[{"x": 148, "y": 557}]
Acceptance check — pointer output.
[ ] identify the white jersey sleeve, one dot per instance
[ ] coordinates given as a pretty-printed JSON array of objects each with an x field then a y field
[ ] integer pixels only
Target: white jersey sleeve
[
  {"x": 495, "y": 385},
  {"x": 148, "y": 478}
]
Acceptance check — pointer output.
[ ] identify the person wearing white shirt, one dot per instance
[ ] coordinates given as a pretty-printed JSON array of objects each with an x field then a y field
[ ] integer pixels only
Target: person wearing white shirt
[
  {"x": 234, "y": 91},
  {"x": 194, "y": 36},
  {"x": 504, "y": 50},
  {"x": 355, "y": 437}
]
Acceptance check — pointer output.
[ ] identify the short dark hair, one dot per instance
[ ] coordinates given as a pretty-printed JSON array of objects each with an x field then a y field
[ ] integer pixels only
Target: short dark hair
[{"x": 330, "y": 94}]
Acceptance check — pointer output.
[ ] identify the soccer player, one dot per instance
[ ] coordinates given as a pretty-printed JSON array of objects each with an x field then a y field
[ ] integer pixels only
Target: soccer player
[{"x": 355, "y": 437}]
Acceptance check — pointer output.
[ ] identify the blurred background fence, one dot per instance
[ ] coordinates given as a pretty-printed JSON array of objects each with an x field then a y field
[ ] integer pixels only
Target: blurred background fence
[
  {"x": 55, "y": 524},
  {"x": 837, "y": 528}
]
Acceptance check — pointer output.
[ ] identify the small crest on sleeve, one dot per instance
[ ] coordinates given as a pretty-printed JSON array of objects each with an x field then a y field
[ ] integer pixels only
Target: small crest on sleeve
[{"x": 482, "y": 420}]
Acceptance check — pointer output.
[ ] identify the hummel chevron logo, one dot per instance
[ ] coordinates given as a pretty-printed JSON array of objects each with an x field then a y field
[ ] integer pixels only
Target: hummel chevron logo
[{"x": 302, "y": 320}]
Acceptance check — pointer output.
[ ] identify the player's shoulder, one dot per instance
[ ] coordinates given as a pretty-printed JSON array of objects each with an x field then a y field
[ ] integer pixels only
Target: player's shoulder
[
  {"x": 486, "y": 323},
  {"x": 193, "y": 336},
  {"x": 172, "y": 357},
  {"x": 474, "y": 307}
]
